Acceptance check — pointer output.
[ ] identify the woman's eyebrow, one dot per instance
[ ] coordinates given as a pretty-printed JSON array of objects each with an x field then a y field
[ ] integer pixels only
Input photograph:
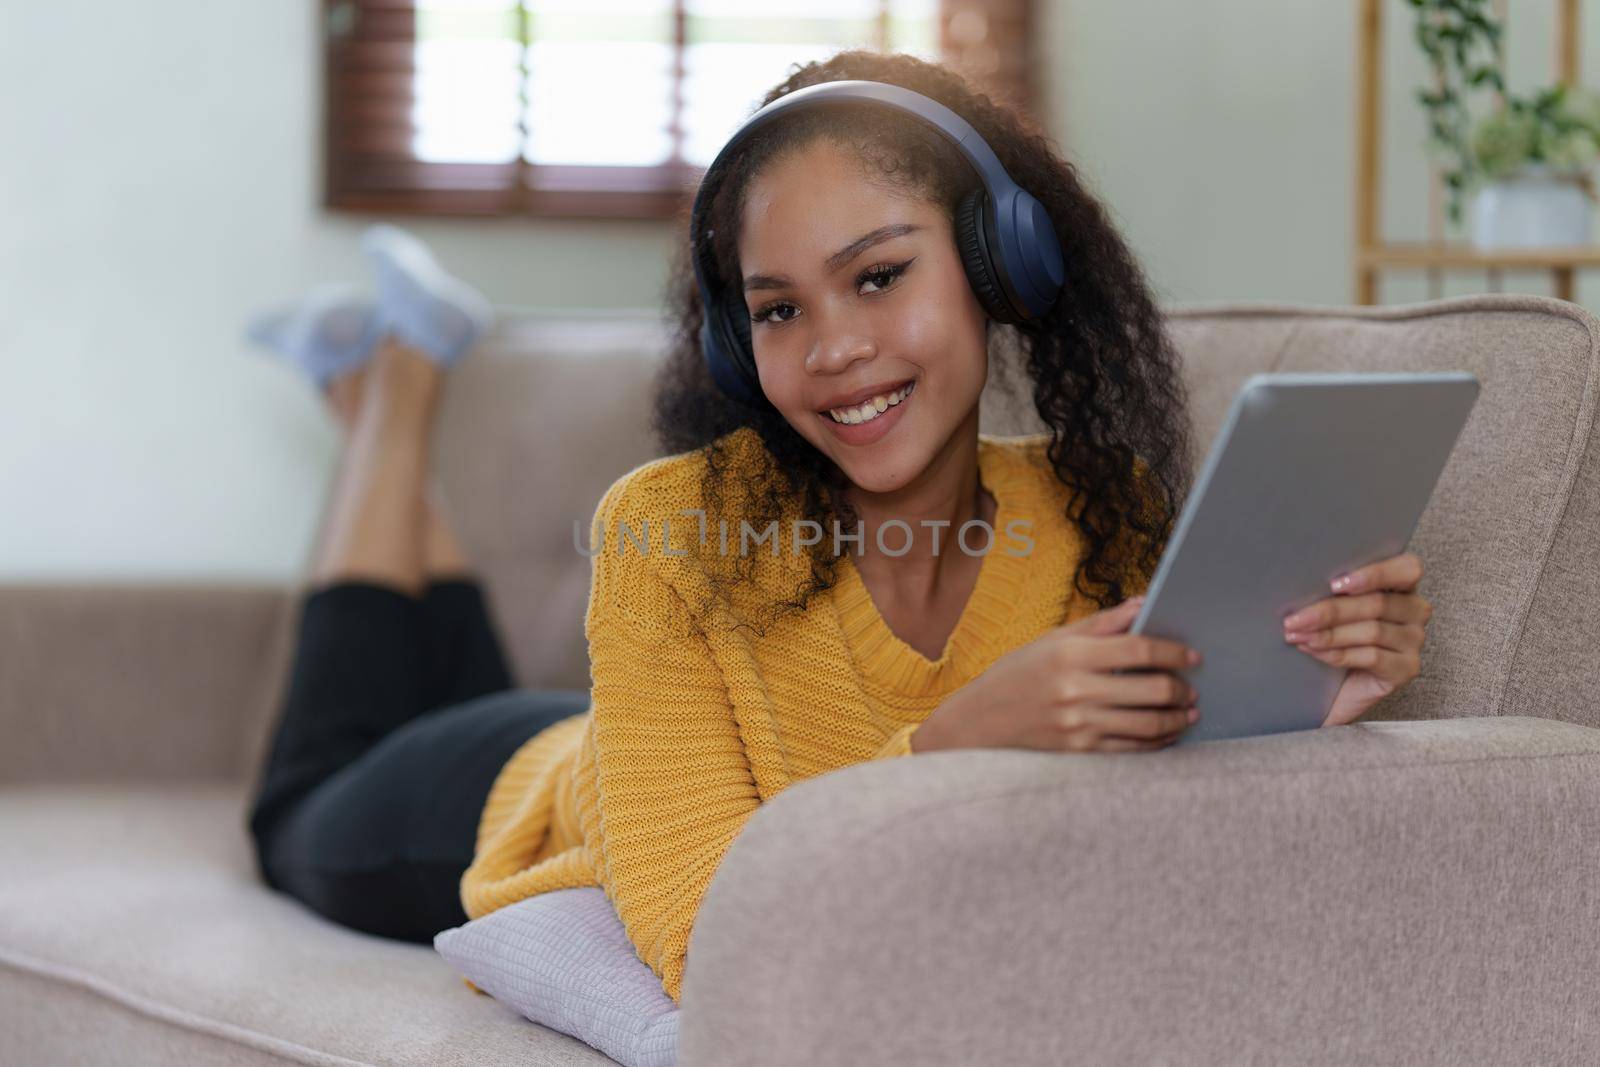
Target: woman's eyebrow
[{"x": 839, "y": 258}]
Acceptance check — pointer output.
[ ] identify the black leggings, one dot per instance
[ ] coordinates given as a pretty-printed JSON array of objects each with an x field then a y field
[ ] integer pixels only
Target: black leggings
[{"x": 400, "y": 712}]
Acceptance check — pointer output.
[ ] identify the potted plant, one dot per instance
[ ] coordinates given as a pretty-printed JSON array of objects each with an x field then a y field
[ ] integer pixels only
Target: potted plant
[
  {"x": 1535, "y": 159},
  {"x": 1529, "y": 159}
]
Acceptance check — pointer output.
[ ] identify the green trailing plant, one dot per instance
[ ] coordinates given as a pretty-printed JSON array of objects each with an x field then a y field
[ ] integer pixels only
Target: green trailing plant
[
  {"x": 1559, "y": 128},
  {"x": 1556, "y": 127},
  {"x": 1462, "y": 40}
]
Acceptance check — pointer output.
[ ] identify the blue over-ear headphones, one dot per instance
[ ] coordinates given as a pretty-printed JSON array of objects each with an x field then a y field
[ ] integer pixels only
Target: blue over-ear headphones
[{"x": 1007, "y": 244}]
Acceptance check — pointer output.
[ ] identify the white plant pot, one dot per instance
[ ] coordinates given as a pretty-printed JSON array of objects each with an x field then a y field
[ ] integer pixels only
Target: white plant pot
[{"x": 1531, "y": 208}]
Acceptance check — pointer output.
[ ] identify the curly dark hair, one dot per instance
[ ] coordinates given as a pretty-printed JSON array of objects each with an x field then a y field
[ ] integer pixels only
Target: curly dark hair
[{"x": 1103, "y": 373}]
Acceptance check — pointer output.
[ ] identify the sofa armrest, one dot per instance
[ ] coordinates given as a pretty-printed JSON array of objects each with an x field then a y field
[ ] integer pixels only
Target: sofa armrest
[
  {"x": 121, "y": 681},
  {"x": 1410, "y": 892}
]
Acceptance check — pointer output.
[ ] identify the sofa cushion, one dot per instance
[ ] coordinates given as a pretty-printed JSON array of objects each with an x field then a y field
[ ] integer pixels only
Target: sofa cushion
[{"x": 134, "y": 929}]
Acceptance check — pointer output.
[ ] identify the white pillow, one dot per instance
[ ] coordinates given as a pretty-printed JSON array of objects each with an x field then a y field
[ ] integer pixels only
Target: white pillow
[{"x": 562, "y": 959}]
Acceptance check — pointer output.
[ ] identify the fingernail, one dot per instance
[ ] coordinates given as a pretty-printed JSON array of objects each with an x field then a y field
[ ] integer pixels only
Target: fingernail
[
  {"x": 1341, "y": 583},
  {"x": 1194, "y": 713},
  {"x": 1194, "y": 657}
]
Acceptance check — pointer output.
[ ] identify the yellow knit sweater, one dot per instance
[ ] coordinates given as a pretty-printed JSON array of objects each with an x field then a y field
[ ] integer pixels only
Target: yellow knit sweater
[{"x": 686, "y": 736}]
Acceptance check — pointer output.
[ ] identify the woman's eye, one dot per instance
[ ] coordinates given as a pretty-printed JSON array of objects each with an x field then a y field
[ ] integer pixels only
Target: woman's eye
[
  {"x": 761, "y": 316},
  {"x": 883, "y": 276}
]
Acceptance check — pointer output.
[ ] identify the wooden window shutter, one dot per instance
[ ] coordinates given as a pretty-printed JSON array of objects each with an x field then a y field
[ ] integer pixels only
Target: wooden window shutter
[{"x": 372, "y": 73}]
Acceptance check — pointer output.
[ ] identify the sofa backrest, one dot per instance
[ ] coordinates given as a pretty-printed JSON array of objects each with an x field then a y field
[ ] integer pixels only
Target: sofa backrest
[
  {"x": 543, "y": 417},
  {"x": 536, "y": 424},
  {"x": 1510, "y": 540}
]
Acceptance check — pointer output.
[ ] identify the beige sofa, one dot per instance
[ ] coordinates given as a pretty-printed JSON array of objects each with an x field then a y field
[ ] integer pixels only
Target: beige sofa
[{"x": 1420, "y": 889}]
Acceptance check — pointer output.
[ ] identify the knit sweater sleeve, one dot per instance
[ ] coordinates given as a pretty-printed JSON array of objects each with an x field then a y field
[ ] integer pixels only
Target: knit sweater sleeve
[{"x": 674, "y": 785}]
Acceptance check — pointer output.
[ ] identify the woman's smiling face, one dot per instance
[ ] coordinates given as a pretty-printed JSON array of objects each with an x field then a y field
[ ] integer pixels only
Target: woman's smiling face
[{"x": 856, "y": 290}]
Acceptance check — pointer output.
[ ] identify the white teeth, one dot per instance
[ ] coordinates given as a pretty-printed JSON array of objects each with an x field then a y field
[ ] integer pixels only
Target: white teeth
[{"x": 871, "y": 409}]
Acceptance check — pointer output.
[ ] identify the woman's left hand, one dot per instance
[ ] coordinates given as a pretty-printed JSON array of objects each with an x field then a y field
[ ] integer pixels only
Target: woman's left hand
[{"x": 1374, "y": 625}]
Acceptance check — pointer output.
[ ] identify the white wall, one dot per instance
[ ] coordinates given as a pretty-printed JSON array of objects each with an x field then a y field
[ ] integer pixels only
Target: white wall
[
  {"x": 161, "y": 180},
  {"x": 161, "y": 175},
  {"x": 1222, "y": 135}
]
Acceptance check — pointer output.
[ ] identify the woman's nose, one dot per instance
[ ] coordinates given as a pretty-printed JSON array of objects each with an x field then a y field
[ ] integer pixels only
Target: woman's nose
[{"x": 830, "y": 355}]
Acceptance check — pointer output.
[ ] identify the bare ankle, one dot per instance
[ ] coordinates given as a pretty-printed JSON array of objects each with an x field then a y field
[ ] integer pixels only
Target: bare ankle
[
  {"x": 398, "y": 367},
  {"x": 345, "y": 395},
  {"x": 401, "y": 396}
]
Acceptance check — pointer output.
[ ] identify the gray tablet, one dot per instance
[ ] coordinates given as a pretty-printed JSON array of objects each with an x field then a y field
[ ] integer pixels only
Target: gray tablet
[{"x": 1311, "y": 475}]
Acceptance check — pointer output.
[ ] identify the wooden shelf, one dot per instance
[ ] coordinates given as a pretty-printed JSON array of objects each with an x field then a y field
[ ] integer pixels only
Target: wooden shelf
[
  {"x": 1425, "y": 255},
  {"x": 1371, "y": 254}
]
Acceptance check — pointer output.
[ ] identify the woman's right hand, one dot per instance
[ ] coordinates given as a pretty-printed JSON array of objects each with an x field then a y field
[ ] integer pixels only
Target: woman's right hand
[{"x": 1059, "y": 693}]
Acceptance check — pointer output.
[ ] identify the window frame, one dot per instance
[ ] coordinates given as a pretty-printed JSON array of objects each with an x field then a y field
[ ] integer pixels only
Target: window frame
[{"x": 368, "y": 74}]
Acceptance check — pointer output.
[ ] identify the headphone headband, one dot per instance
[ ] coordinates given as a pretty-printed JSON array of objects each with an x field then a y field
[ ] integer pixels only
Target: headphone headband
[{"x": 1008, "y": 245}]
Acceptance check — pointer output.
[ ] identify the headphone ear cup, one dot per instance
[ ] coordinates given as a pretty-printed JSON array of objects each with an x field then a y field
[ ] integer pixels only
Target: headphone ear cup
[
  {"x": 744, "y": 353},
  {"x": 973, "y": 243},
  {"x": 732, "y": 325},
  {"x": 739, "y": 321}
]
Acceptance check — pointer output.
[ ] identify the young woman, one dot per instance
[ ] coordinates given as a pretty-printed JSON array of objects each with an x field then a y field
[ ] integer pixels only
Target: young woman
[{"x": 870, "y": 623}]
